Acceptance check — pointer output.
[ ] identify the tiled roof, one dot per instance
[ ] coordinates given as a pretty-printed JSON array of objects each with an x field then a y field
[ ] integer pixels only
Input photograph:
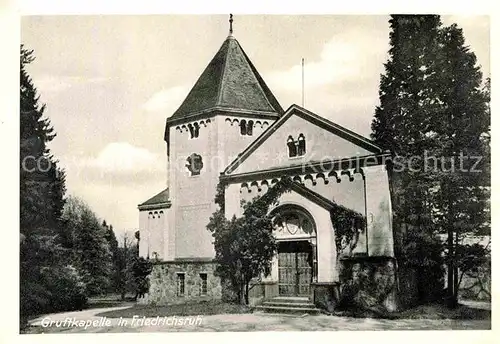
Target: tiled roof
[
  {"x": 159, "y": 198},
  {"x": 230, "y": 81}
]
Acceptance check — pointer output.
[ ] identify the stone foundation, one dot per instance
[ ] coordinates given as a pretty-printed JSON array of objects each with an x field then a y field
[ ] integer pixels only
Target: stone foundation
[
  {"x": 326, "y": 295},
  {"x": 368, "y": 283},
  {"x": 163, "y": 282},
  {"x": 365, "y": 283}
]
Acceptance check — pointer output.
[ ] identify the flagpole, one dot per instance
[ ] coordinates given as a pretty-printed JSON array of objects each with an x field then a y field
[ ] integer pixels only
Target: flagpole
[{"x": 303, "y": 82}]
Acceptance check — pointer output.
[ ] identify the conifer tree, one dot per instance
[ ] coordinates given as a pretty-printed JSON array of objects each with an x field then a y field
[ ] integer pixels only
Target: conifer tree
[
  {"x": 433, "y": 112},
  {"x": 46, "y": 282},
  {"x": 401, "y": 124},
  {"x": 461, "y": 199},
  {"x": 91, "y": 254}
]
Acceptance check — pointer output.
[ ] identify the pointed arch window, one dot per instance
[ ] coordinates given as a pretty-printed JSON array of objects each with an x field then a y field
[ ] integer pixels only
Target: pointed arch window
[{"x": 292, "y": 148}]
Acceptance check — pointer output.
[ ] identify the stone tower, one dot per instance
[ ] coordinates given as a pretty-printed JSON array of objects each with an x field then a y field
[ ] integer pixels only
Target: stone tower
[{"x": 227, "y": 108}]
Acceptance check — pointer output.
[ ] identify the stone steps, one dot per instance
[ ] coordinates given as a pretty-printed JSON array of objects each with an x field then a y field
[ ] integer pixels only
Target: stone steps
[{"x": 287, "y": 305}]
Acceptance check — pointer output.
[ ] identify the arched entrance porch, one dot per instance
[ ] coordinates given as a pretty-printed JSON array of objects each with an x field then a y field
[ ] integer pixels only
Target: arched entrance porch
[{"x": 296, "y": 262}]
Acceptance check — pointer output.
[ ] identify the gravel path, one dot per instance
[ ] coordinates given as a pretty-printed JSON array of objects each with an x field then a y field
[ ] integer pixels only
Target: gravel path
[{"x": 87, "y": 322}]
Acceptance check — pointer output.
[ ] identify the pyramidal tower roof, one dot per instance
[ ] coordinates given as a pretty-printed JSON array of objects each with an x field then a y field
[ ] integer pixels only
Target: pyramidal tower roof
[{"x": 229, "y": 82}]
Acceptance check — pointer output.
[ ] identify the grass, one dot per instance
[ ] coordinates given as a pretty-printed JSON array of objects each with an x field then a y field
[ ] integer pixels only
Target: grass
[
  {"x": 439, "y": 311},
  {"x": 110, "y": 300},
  {"x": 195, "y": 308},
  {"x": 429, "y": 311}
]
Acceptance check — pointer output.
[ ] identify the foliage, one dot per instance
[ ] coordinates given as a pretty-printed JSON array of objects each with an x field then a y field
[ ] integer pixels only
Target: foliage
[
  {"x": 131, "y": 271},
  {"x": 42, "y": 189},
  {"x": 68, "y": 286},
  {"x": 433, "y": 112},
  {"x": 90, "y": 250},
  {"x": 141, "y": 268},
  {"x": 42, "y": 183},
  {"x": 422, "y": 253},
  {"x": 245, "y": 245},
  {"x": 473, "y": 261},
  {"x": 348, "y": 224},
  {"x": 116, "y": 279}
]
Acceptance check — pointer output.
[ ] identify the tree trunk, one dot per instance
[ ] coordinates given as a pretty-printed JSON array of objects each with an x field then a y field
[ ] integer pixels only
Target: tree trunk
[
  {"x": 241, "y": 294},
  {"x": 451, "y": 269},
  {"x": 246, "y": 293},
  {"x": 450, "y": 293},
  {"x": 455, "y": 273}
]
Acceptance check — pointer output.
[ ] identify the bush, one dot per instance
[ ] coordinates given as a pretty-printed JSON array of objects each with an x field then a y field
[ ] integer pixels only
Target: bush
[
  {"x": 67, "y": 289},
  {"x": 55, "y": 289},
  {"x": 422, "y": 252}
]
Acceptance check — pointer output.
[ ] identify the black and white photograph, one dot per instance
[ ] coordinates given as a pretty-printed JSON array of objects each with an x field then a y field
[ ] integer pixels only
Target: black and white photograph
[{"x": 234, "y": 172}]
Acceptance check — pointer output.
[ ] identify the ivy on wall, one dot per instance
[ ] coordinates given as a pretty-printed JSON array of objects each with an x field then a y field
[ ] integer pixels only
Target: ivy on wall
[{"x": 348, "y": 225}]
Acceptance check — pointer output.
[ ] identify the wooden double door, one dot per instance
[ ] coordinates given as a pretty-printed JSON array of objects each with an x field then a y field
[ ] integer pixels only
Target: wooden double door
[{"x": 294, "y": 268}]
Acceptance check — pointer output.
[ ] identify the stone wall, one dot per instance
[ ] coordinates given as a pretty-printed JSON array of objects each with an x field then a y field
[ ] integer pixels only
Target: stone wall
[
  {"x": 368, "y": 283},
  {"x": 326, "y": 295},
  {"x": 163, "y": 282}
]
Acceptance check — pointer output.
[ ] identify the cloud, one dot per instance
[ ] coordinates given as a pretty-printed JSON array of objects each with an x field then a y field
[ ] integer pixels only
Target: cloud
[
  {"x": 341, "y": 83},
  {"x": 166, "y": 100},
  {"x": 118, "y": 163},
  {"x": 124, "y": 157},
  {"x": 343, "y": 58}
]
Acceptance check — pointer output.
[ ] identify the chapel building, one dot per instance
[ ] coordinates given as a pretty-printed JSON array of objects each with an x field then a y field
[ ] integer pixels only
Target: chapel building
[{"x": 231, "y": 128}]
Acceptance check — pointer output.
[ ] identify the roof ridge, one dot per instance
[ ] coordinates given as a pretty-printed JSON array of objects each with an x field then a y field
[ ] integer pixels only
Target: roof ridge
[
  {"x": 155, "y": 199},
  {"x": 300, "y": 188},
  {"x": 229, "y": 80},
  {"x": 339, "y": 127},
  {"x": 287, "y": 114},
  {"x": 219, "y": 89},
  {"x": 255, "y": 73}
]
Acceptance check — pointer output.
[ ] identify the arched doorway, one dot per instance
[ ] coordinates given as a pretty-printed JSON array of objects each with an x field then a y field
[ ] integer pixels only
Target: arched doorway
[{"x": 295, "y": 232}]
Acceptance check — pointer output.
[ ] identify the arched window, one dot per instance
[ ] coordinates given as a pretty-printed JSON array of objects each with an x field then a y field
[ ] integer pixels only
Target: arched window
[
  {"x": 250, "y": 128},
  {"x": 292, "y": 148},
  {"x": 191, "y": 130},
  {"x": 301, "y": 145},
  {"x": 150, "y": 215},
  {"x": 196, "y": 130},
  {"x": 243, "y": 127}
]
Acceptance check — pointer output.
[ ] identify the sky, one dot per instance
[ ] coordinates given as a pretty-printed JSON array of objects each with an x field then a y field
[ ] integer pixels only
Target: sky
[{"x": 110, "y": 82}]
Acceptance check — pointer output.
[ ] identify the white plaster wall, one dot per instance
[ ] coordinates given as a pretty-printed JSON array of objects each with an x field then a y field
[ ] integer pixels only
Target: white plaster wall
[
  {"x": 325, "y": 236},
  {"x": 321, "y": 144},
  {"x": 379, "y": 212},
  {"x": 144, "y": 233},
  {"x": 154, "y": 232},
  {"x": 232, "y": 199},
  {"x": 192, "y": 197}
]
